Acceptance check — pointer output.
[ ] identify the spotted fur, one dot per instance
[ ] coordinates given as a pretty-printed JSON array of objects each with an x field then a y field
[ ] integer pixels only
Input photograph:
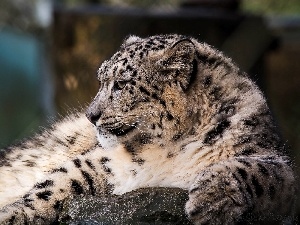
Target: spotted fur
[{"x": 170, "y": 112}]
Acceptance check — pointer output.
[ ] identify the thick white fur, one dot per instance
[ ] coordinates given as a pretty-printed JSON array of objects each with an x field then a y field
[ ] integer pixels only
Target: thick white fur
[{"x": 17, "y": 179}]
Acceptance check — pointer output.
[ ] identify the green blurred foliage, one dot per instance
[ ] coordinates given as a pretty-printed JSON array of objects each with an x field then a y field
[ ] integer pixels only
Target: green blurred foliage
[{"x": 272, "y": 7}]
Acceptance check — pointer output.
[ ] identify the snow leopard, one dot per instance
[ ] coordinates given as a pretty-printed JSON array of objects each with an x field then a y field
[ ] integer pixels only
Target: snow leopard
[{"x": 171, "y": 111}]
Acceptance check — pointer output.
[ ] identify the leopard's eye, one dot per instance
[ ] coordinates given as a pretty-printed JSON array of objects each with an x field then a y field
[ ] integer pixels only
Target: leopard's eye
[{"x": 119, "y": 84}]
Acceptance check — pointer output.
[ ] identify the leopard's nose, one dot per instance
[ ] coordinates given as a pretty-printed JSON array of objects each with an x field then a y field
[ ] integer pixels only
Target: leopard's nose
[
  {"x": 93, "y": 118},
  {"x": 93, "y": 114}
]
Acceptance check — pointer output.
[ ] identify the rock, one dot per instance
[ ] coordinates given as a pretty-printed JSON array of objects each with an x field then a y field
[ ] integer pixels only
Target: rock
[{"x": 143, "y": 206}]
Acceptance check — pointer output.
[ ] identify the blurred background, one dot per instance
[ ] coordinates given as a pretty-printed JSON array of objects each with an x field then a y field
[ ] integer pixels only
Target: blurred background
[{"x": 50, "y": 51}]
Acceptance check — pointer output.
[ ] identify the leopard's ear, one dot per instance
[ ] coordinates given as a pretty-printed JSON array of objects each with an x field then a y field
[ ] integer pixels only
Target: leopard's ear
[{"x": 180, "y": 62}]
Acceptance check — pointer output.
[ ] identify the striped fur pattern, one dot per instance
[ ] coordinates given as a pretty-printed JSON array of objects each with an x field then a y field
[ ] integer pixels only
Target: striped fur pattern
[{"x": 170, "y": 112}]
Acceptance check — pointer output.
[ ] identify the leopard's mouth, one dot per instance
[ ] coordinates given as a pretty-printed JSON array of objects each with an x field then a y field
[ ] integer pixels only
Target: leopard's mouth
[{"x": 119, "y": 128}]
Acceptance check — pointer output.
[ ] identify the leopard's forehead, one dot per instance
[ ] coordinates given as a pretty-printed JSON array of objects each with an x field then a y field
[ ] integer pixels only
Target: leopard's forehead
[{"x": 125, "y": 63}]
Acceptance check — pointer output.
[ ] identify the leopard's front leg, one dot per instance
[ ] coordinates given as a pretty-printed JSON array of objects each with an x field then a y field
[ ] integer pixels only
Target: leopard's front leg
[
  {"x": 85, "y": 174},
  {"x": 243, "y": 188}
]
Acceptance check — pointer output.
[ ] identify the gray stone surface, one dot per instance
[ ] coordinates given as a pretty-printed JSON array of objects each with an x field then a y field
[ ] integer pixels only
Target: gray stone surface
[{"x": 144, "y": 206}]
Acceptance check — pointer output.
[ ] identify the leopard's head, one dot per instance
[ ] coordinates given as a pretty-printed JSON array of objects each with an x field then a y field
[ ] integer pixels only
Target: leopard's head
[{"x": 145, "y": 91}]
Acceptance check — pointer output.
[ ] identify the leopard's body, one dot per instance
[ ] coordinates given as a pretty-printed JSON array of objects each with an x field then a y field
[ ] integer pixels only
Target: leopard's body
[{"x": 170, "y": 112}]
